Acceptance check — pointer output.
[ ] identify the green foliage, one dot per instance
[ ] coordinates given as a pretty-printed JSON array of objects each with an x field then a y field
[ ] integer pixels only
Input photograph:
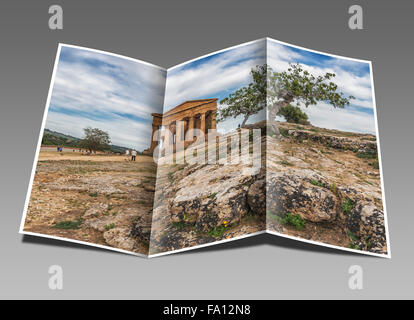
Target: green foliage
[
  {"x": 352, "y": 236},
  {"x": 298, "y": 84},
  {"x": 354, "y": 245},
  {"x": 109, "y": 226},
  {"x": 317, "y": 183},
  {"x": 294, "y": 114},
  {"x": 375, "y": 164},
  {"x": 95, "y": 140},
  {"x": 288, "y": 219},
  {"x": 180, "y": 225},
  {"x": 284, "y": 132},
  {"x": 52, "y": 138},
  {"x": 217, "y": 232},
  {"x": 285, "y": 163},
  {"x": 68, "y": 224},
  {"x": 367, "y": 155},
  {"x": 247, "y": 100},
  {"x": 213, "y": 195},
  {"x": 347, "y": 206},
  {"x": 93, "y": 194},
  {"x": 294, "y": 220}
]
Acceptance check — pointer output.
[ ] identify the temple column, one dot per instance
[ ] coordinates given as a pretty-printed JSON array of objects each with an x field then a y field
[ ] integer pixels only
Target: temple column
[
  {"x": 167, "y": 135},
  {"x": 203, "y": 123},
  {"x": 190, "y": 131},
  {"x": 213, "y": 120},
  {"x": 154, "y": 141},
  {"x": 179, "y": 131}
]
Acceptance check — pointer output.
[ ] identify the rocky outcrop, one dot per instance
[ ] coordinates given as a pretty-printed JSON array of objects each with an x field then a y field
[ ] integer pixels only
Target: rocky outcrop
[
  {"x": 337, "y": 142},
  {"x": 210, "y": 196},
  {"x": 317, "y": 176},
  {"x": 366, "y": 222},
  {"x": 293, "y": 192}
]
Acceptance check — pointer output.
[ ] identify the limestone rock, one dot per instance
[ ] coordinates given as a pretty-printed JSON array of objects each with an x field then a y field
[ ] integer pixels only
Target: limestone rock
[
  {"x": 119, "y": 238},
  {"x": 210, "y": 196},
  {"x": 293, "y": 193},
  {"x": 366, "y": 222},
  {"x": 95, "y": 210}
]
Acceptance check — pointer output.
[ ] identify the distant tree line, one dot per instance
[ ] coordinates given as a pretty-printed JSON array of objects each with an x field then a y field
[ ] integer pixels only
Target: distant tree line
[{"x": 94, "y": 139}]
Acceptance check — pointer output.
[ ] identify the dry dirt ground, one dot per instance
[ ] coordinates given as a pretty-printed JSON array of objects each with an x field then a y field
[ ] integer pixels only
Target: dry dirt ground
[{"x": 92, "y": 198}]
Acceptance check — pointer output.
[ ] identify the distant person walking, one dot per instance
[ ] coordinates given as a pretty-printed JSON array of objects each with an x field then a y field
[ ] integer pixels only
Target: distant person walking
[{"x": 134, "y": 155}]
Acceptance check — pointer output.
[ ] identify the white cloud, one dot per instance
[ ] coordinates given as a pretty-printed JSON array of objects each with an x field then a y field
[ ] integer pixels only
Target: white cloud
[
  {"x": 112, "y": 93},
  {"x": 325, "y": 116},
  {"x": 224, "y": 71}
]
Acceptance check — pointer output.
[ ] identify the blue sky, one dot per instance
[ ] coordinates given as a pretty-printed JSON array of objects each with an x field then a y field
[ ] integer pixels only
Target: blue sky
[
  {"x": 105, "y": 91},
  {"x": 217, "y": 75},
  {"x": 118, "y": 94}
]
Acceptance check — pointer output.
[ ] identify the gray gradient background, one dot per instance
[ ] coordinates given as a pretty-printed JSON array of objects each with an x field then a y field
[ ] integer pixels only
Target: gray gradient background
[{"x": 171, "y": 32}]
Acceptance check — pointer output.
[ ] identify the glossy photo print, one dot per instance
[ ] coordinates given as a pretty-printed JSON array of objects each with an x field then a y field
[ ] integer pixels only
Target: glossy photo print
[
  {"x": 202, "y": 191},
  {"x": 263, "y": 137},
  {"x": 323, "y": 168},
  {"x": 91, "y": 179}
]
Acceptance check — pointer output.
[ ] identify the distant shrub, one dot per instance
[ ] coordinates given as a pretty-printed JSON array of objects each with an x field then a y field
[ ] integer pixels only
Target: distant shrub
[{"x": 294, "y": 114}]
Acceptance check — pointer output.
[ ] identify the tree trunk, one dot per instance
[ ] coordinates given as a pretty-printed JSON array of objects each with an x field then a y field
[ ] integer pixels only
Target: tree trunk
[
  {"x": 245, "y": 120},
  {"x": 273, "y": 111}
]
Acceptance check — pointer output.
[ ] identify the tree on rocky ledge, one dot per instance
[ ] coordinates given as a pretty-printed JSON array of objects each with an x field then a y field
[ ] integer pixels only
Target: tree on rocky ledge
[
  {"x": 300, "y": 86},
  {"x": 95, "y": 140},
  {"x": 278, "y": 90},
  {"x": 247, "y": 100}
]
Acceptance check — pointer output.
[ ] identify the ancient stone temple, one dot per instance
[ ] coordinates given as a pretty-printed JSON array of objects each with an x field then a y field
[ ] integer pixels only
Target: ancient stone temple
[{"x": 195, "y": 114}]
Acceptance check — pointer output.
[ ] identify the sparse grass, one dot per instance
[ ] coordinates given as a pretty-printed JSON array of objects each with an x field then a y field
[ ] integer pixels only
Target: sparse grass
[
  {"x": 217, "y": 232},
  {"x": 352, "y": 236},
  {"x": 93, "y": 194},
  {"x": 333, "y": 188},
  {"x": 141, "y": 202},
  {"x": 317, "y": 183},
  {"x": 213, "y": 195},
  {"x": 285, "y": 163},
  {"x": 347, "y": 206},
  {"x": 294, "y": 220},
  {"x": 180, "y": 225},
  {"x": 288, "y": 219},
  {"x": 284, "y": 132},
  {"x": 68, "y": 224},
  {"x": 369, "y": 139},
  {"x": 354, "y": 244},
  {"x": 109, "y": 226},
  {"x": 375, "y": 164},
  {"x": 367, "y": 155},
  {"x": 171, "y": 176}
]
